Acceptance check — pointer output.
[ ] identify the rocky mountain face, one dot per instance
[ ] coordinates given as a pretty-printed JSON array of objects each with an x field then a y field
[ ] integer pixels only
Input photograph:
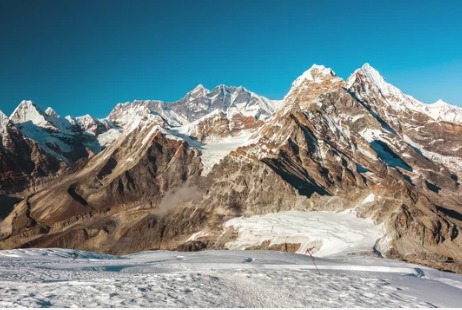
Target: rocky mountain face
[
  {"x": 22, "y": 161},
  {"x": 333, "y": 145},
  {"x": 200, "y": 102},
  {"x": 38, "y": 145}
]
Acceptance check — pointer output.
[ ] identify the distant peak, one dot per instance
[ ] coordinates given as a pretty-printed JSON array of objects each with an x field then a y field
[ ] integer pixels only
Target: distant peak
[
  {"x": 367, "y": 66},
  {"x": 28, "y": 111},
  {"x": 370, "y": 74},
  {"x": 199, "y": 90},
  {"x": 319, "y": 71},
  {"x": 50, "y": 112},
  {"x": 28, "y": 104},
  {"x": 87, "y": 116},
  {"x": 440, "y": 102},
  {"x": 316, "y": 74},
  {"x": 321, "y": 68},
  {"x": 368, "y": 69}
]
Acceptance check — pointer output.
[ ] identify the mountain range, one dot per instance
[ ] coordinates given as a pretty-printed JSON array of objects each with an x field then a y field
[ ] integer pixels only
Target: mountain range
[{"x": 160, "y": 175}]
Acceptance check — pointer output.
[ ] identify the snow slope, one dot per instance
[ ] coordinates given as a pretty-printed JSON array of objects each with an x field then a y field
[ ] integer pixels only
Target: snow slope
[
  {"x": 50, "y": 278},
  {"x": 213, "y": 150},
  {"x": 442, "y": 111},
  {"x": 324, "y": 233},
  {"x": 216, "y": 150}
]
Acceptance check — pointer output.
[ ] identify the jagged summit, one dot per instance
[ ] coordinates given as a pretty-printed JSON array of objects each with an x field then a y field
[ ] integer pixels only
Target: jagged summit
[
  {"x": 312, "y": 83},
  {"x": 369, "y": 73},
  {"x": 199, "y": 90},
  {"x": 315, "y": 74},
  {"x": 50, "y": 112},
  {"x": 29, "y": 111},
  {"x": 231, "y": 99},
  {"x": 367, "y": 81}
]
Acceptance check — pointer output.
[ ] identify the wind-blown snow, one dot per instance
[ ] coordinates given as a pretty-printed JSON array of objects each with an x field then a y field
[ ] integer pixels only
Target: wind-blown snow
[
  {"x": 324, "y": 233},
  {"x": 50, "y": 278}
]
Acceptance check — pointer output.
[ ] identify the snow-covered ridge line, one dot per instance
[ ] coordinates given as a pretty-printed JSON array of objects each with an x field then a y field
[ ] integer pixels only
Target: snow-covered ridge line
[{"x": 439, "y": 111}]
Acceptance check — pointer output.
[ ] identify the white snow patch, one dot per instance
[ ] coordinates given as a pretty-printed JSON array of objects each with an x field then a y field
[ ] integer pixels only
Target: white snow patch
[
  {"x": 109, "y": 136},
  {"x": 216, "y": 150},
  {"x": 327, "y": 233},
  {"x": 369, "y": 198},
  {"x": 442, "y": 111},
  {"x": 370, "y": 134}
]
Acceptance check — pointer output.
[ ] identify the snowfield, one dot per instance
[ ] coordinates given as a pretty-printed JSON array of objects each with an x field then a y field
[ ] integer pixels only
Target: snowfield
[
  {"x": 323, "y": 233},
  {"x": 51, "y": 278},
  {"x": 213, "y": 150}
]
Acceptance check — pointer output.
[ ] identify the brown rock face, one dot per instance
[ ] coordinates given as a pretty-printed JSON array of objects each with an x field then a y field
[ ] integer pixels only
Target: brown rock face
[
  {"x": 191, "y": 246},
  {"x": 219, "y": 125},
  {"x": 107, "y": 197},
  {"x": 22, "y": 162},
  {"x": 281, "y": 247}
]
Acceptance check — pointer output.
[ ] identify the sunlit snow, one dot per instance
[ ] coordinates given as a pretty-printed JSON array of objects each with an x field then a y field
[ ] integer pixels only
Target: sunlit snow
[
  {"x": 51, "y": 278},
  {"x": 324, "y": 233}
]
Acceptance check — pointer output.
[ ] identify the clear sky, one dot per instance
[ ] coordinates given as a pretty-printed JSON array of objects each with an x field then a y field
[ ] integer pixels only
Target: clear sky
[{"x": 85, "y": 56}]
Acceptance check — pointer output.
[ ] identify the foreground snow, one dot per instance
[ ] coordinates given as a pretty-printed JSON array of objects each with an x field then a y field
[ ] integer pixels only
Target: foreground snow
[{"x": 50, "y": 278}]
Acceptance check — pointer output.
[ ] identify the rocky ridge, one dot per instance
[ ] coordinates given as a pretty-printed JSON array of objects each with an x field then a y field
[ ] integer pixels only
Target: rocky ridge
[{"x": 330, "y": 145}]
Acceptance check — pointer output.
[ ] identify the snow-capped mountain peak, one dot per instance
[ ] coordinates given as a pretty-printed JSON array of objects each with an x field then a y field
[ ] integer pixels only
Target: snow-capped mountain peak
[
  {"x": 123, "y": 113},
  {"x": 199, "y": 90},
  {"x": 50, "y": 112},
  {"x": 439, "y": 103},
  {"x": 443, "y": 111},
  {"x": 230, "y": 99},
  {"x": 372, "y": 83},
  {"x": 315, "y": 74},
  {"x": 29, "y": 111},
  {"x": 311, "y": 84},
  {"x": 367, "y": 81},
  {"x": 373, "y": 77}
]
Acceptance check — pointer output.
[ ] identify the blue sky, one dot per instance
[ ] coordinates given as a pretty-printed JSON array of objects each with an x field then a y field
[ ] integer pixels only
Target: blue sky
[{"x": 85, "y": 56}]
